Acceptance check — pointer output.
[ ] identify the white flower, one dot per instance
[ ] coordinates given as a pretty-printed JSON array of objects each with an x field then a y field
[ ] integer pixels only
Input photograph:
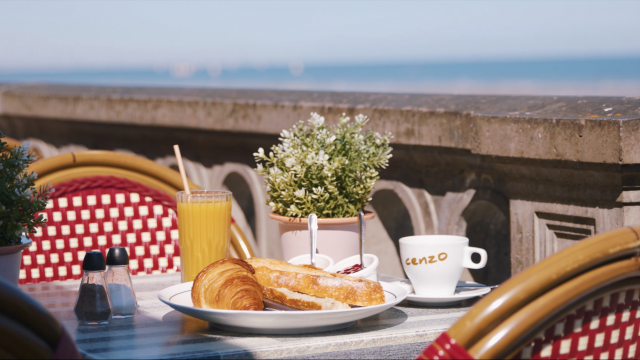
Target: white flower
[
  {"x": 260, "y": 153},
  {"x": 361, "y": 119},
  {"x": 310, "y": 158},
  {"x": 330, "y": 140},
  {"x": 290, "y": 161},
  {"x": 299, "y": 193},
  {"x": 275, "y": 171},
  {"x": 286, "y": 146},
  {"x": 316, "y": 120},
  {"x": 284, "y": 134}
]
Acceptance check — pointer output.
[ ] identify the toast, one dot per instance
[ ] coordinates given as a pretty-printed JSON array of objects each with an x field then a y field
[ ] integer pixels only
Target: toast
[
  {"x": 277, "y": 274},
  {"x": 302, "y": 301}
]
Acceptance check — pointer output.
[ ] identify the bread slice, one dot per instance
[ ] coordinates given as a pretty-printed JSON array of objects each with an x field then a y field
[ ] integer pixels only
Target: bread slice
[
  {"x": 302, "y": 301},
  {"x": 347, "y": 289}
]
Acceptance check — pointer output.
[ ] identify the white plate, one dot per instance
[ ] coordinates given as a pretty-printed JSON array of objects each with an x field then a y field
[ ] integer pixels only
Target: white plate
[
  {"x": 278, "y": 322},
  {"x": 460, "y": 295}
]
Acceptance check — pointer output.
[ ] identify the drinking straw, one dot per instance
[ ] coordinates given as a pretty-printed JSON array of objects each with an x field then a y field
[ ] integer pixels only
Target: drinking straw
[{"x": 176, "y": 149}]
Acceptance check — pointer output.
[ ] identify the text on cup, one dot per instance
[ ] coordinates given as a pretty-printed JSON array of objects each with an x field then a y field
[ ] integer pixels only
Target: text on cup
[{"x": 426, "y": 260}]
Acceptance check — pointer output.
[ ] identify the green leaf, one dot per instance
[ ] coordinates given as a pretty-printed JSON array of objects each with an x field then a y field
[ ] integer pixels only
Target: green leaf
[{"x": 19, "y": 199}]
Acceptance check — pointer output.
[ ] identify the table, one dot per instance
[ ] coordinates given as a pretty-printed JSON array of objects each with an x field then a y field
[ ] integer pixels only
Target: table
[{"x": 157, "y": 331}]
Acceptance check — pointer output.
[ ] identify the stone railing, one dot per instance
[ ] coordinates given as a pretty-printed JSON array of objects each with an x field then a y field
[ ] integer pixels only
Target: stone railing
[{"x": 522, "y": 177}]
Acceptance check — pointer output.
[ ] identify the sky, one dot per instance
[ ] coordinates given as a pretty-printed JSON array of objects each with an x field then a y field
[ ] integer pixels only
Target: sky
[{"x": 72, "y": 35}]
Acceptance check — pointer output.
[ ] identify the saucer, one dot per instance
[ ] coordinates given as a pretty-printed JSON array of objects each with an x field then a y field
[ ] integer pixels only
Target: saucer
[{"x": 460, "y": 295}]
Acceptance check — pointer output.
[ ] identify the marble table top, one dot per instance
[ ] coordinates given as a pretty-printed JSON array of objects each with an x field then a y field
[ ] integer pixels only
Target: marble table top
[{"x": 157, "y": 331}]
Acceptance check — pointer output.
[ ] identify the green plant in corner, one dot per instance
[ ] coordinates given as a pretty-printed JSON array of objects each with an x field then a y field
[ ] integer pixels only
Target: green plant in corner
[
  {"x": 326, "y": 170},
  {"x": 19, "y": 199}
]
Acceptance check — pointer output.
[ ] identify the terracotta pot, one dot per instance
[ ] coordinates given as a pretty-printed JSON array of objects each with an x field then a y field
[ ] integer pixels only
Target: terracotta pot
[
  {"x": 10, "y": 260},
  {"x": 337, "y": 238}
]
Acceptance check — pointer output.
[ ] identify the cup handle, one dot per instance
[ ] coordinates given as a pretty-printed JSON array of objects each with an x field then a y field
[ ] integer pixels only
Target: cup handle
[{"x": 468, "y": 251}]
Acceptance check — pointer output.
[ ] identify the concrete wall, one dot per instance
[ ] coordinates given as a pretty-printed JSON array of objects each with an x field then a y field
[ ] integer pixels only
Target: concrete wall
[{"x": 520, "y": 176}]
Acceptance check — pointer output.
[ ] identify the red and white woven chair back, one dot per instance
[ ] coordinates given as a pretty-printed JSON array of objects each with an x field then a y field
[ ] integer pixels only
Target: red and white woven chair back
[
  {"x": 605, "y": 328},
  {"x": 96, "y": 213}
]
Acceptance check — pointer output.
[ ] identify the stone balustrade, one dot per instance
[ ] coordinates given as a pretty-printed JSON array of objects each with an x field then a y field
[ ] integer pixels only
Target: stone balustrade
[{"x": 522, "y": 177}]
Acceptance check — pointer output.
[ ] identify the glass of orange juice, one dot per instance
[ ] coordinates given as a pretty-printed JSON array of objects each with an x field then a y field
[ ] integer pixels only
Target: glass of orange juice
[{"x": 204, "y": 224}]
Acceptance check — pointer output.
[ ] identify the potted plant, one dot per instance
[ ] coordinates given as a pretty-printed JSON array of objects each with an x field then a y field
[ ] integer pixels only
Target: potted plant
[
  {"x": 326, "y": 170},
  {"x": 19, "y": 203}
]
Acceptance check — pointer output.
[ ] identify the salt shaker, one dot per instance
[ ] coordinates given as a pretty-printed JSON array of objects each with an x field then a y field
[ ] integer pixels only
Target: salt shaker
[
  {"x": 93, "y": 306},
  {"x": 123, "y": 298}
]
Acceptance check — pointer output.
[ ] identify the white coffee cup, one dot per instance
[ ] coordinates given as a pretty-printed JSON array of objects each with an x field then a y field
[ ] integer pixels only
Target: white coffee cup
[{"x": 434, "y": 263}]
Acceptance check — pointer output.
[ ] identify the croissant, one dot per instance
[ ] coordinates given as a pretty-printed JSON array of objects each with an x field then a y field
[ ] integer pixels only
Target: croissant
[{"x": 227, "y": 284}]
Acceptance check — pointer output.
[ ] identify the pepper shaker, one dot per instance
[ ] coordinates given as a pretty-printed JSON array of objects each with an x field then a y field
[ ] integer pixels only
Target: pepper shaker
[
  {"x": 93, "y": 306},
  {"x": 123, "y": 298}
]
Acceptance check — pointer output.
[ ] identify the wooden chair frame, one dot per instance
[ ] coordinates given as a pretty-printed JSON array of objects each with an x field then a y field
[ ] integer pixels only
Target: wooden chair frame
[{"x": 70, "y": 166}]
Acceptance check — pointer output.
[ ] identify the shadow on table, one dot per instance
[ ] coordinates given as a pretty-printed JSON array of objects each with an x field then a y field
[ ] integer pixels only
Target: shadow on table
[
  {"x": 175, "y": 335},
  {"x": 387, "y": 319}
]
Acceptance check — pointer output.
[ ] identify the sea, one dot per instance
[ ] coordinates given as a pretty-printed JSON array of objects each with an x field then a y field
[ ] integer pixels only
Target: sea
[{"x": 572, "y": 77}]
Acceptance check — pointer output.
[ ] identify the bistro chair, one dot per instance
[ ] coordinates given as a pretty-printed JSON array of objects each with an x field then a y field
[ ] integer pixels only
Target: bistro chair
[
  {"x": 28, "y": 330},
  {"x": 104, "y": 199},
  {"x": 582, "y": 302}
]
